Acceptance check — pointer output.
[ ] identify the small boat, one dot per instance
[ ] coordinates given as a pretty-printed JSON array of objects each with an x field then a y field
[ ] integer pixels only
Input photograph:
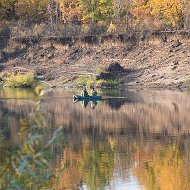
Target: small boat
[{"x": 87, "y": 98}]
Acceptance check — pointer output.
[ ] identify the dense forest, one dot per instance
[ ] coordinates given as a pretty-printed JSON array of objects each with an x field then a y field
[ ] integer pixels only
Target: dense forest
[
  {"x": 103, "y": 15},
  {"x": 52, "y": 37}
]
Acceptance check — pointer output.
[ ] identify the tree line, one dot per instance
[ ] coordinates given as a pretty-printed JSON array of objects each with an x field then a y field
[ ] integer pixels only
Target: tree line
[{"x": 114, "y": 15}]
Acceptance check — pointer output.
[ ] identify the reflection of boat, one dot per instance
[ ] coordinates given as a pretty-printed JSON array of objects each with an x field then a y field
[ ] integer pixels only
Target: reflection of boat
[{"x": 86, "y": 98}]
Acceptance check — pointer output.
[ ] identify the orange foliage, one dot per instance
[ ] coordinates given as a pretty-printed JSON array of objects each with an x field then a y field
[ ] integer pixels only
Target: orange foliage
[
  {"x": 70, "y": 10},
  {"x": 140, "y": 12},
  {"x": 139, "y": 2},
  {"x": 163, "y": 169}
]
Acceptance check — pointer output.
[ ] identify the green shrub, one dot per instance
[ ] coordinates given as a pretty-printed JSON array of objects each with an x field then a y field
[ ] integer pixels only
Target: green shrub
[
  {"x": 20, "y": 81},
  {"x": 107, "y": 83},
  {"x": 84, "y": 81},
  {"x": 91, "y": 82},
  {"x": 80, "y": 81}
]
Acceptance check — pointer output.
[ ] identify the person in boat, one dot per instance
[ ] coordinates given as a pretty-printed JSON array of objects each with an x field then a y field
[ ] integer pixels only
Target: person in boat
[
  {"x": 84, "y": 92},
  {"x": 94, "y": 92}
]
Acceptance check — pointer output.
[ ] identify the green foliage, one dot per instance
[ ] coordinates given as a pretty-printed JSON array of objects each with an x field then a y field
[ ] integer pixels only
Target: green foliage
[
  {"x": 32, "y": 10},
  {"x": 169, "y": 12},
  {"x": 96, "y": 10},
  {"x": 84, "y": 81},
  {"x": 7, "y": 9},
  {"x": 25, "y": 166},
  {"x": 136, "y": 13},
  {"x": 20, "y": 81},
  {"x": 80, "y": 81},
  {"x": 97, "y": 165},
  {"x": 90, "y": 81},
  {"x": 107, "y": 83},
  {"x": 111, "y": 28}
]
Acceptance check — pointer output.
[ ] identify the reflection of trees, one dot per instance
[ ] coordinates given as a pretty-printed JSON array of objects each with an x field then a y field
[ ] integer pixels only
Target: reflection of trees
[
  {"x": 97, "y": 164},
  {"x": 121, "y": 97},
  {"x": 167, "y": 113},
  {"x": 163, "y": 168},
  {"x": 12, "y": 93},
  {"x": 94, "y": 156},
  {"x": 13, "y": 108},
  {"x": 137, "y": 137},
  {"x": 9, "y": 119},
  {"x": 92, "y": 161},
  {"x": 158, "y": 114}
]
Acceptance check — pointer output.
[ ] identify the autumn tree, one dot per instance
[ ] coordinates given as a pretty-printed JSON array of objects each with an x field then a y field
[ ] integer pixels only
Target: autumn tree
[
  {"x": 32, "y": 9},
  {"x": 70, "y": 10},
  {"x": 99, "y": 11},
  {"x": 169, "y": 12},
  {"x": 121, "y": 13},
  {"x": 7, "y": 9}
]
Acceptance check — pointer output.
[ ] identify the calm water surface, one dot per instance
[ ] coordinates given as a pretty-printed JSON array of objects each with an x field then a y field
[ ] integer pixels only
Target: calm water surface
[{"x": 132, "y": 140}]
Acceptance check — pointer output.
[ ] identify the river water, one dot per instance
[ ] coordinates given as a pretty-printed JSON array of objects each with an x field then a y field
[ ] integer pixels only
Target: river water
[{"x": 131, "y": 140}]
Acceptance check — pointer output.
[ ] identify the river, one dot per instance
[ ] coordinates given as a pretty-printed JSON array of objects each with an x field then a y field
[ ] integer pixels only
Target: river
[{"x": 131, "y": 140}]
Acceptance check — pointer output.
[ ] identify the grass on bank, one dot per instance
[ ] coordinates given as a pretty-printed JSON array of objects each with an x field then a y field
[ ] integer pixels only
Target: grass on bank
[
  {"x": 89, "y": 82},
  {"x": 107, "y": 83},
  {"x": 83, "y": 81},
  {"x": 20, "y": 81}
]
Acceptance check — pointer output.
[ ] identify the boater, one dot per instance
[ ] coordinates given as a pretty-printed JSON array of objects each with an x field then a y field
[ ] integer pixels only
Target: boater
[
  {"x": 94, "y": 92},
  {"x": 84, "y": 92}
]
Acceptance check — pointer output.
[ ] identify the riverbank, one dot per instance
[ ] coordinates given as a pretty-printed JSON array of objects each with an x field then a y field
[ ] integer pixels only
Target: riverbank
[{"x": 153, "y": 62}]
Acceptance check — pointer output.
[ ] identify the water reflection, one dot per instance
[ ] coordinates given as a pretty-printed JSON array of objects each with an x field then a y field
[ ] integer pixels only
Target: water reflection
[
  {"x": 85, "y": 103},
  {"x": 117, "y": 103},
  {"x": 24, "y": 165},
  {"x": 140, "y": 140}
]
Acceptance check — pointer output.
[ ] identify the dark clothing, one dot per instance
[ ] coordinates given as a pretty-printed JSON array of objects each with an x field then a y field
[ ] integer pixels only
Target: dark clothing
[{"x": 84, "y": 92}]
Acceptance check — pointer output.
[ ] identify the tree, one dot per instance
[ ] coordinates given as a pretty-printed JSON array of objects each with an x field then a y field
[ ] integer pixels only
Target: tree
[
  {"x": 169, "y": 12},
  {"x": 7, "y": 9},
  {"x": 70, "y": 10},
  {"x": 186, "y": 14},
  {"x": 34, "y": 10},
  {"x": 122, "y": 13},
  {"x": 99, "y": 11}
]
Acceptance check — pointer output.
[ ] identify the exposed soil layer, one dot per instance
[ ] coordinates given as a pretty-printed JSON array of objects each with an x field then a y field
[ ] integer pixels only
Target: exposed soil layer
[{"x": 148, "y": 63}]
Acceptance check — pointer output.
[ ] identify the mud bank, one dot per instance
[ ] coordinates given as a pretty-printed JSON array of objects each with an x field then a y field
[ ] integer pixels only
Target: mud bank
[{"x": 152, "y": 62}]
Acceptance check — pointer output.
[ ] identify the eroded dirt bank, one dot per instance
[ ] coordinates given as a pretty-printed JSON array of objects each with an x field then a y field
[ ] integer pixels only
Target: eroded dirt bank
[{"x": 151, "y": 62}]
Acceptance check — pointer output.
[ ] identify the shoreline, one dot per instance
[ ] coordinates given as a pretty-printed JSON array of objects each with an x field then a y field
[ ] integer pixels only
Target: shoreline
[{"x": 151, "y": 63}]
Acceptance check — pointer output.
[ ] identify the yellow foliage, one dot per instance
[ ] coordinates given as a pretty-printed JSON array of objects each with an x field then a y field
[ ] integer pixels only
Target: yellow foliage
[
  {"x": 111, "y": 28},
  {"x": 70, "y": 9},
  {"x": 39, "y": 90},
  {"x": 164, "y": 170},
  {"x": 20, "y": 81},
  {"x": 169, "y": 11}
]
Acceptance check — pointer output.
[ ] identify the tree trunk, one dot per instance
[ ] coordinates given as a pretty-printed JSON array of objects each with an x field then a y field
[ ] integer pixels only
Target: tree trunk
[
  {"x": 186, "y": 14},
  {"x": 51, "y": 13}
]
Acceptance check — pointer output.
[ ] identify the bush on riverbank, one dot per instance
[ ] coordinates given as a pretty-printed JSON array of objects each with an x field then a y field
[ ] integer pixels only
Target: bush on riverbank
[
  {"x": 89, "y": 82},
  {"x": 20, "y": 81},
  {"x": 84, "y": 81},
  {"x": 107, "y": 83}
]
